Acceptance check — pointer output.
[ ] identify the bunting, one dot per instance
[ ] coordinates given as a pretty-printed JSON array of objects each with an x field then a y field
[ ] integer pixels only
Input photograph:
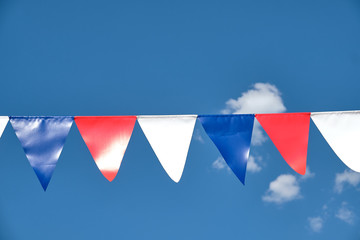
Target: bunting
[
  {"x": 107, "y": 139},
  {"x": 3, "y": 122},
  {"x": 169, "y": 137},
  {"x": 342, "y": 132},
  {"x": 42, "y": 139},
  {"x": 290, "y": 133},
  {"x": 231, "y": 134}
]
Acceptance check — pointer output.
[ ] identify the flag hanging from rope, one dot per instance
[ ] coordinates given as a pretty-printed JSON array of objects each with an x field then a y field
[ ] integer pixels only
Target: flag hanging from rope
[
  {"x": 231, "y": 134},
  {"x": 107, "y": 139},
  {"x": 342, "y": 132},
  {"x": 169, "y": 137},
  {"x": 290, "y": 133},
  {"x": 42, "y": 139},
  {"x": 3, "y": 122}
]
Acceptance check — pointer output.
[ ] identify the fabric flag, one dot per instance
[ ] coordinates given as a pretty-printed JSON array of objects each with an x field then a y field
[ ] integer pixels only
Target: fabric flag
[
  {"x": 107, "y": 139},
  {"x": 342, "y": 132},
  {"x": 232, "y": 136},
  {"x": 290, "y": 133},
  {"x": 42, "y": 139},
  {"x": 169, "y": 137},
  {"x": 3, "y": 122}
]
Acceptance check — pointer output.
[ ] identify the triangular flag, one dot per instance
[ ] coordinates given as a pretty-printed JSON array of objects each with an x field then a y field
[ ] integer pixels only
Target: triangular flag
[
  {"x": 107, "y": 139},
  {"x": 232, "y": 136},
  {"x": 290, "y": 133},
  {"x": 3, "y": 121},
  {"x": 42, "y": 139},
  {"x": 342, "y": 132},
  {"x": 169, "y": 137}
]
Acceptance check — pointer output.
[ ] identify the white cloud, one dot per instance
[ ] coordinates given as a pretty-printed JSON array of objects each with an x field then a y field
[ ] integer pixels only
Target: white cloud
[
  {"x": 283, "y": 189},
  {"x": 252, "y": 165},
  {"x": 316, "y": 223},
  {"x": 197, "y": 136},
  {"x": 262, "y": 98},
  {"x": 219, "y": 163},
  {"x": 347, "y": 177},
  {"x": 258, "y": 136},
  {"x": 309, "y": 174},
  {"x": 345, "y": 214}
]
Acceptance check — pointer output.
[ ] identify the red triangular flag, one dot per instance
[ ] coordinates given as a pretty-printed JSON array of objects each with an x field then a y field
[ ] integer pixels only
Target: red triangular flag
[
  {"x": 107, "y": 139},
  {"x": 290, "y": 133}
]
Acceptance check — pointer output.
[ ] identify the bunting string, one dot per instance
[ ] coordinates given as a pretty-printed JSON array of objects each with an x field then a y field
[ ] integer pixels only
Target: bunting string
[{"x": 107, "y": 138}]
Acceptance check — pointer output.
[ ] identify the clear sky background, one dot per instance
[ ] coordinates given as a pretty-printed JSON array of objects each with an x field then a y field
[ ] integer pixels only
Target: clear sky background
[{"x": 178, "y": 57}]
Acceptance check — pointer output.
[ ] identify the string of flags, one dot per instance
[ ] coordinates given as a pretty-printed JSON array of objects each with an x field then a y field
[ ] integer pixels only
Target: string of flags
[{"x": 107, "y": 137}]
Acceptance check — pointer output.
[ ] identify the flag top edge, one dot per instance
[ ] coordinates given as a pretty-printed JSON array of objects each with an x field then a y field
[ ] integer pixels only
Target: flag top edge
[
  {"x": 166, "y": 116},
  {"x": 336, "y": 112},
  {"x": 225, "y": 115}
]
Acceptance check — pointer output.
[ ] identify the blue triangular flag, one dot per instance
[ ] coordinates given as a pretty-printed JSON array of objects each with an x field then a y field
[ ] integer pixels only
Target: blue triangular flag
[
  {"x": 232, "y": 136},
  {"x": 42, "y": 139}
]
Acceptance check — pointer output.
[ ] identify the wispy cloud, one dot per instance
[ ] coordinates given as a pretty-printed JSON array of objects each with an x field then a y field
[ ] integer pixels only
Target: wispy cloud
[
  {"x": 286, "y": 188},
  {"x": 283, "y": 189},
  {"x": 197, "y": 136},
  {"x": 309, "y": 174},
  {"x": 316, "y": 223},
  {"x": 262, "y": 98},
  {"x": 347, "y": 177},
  {"x": 253, "y": 165},
  {"x": 345, "y": 214},
  {"x": 258, "y": 135},
  {"x": 219, "y": 164}
]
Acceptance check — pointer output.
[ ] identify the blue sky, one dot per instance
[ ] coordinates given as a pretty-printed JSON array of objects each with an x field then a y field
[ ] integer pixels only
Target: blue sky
[{"x": 178, "y": 57}]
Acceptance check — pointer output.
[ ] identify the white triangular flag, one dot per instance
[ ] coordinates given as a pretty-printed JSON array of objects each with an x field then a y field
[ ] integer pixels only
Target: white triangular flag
[
  {"x": 342, "y": 132},
  {"x": 169, "y": 137},
  {"x": 3, "y": 121}
]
